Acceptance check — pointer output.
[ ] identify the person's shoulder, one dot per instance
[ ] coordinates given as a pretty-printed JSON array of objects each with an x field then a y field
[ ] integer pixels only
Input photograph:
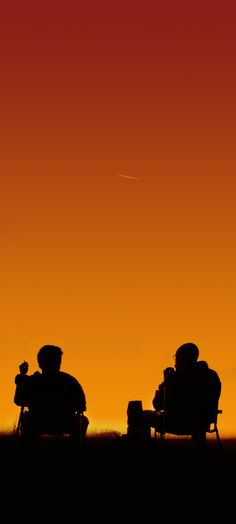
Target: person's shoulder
[
  {"x": 210, "y": 373},
  {"x": 35, "y": 378},
  {"x": 28, "y": 381},
  {"x": 66, "y": 377},
  {"x": 201, "y": 365},
  {"x": 214, "y": 374}
]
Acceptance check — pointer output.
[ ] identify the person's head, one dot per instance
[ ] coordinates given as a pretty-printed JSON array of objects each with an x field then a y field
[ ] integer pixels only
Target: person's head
[
  {"x": 186, "y": 355},
  {"x": 49, "y": 358}
]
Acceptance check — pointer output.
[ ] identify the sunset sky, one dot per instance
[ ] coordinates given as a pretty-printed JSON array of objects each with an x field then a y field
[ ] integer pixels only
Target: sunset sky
[{"x": 117, "y": 215}]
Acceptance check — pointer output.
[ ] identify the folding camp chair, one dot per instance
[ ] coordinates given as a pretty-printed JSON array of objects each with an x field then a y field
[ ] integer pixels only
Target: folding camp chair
[
  {"x": 162, "y": 428},
  {"x": 77, "y": 429}
]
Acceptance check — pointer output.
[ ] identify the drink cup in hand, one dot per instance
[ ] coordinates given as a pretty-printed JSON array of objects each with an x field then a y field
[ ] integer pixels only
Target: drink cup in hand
[{"x": 23, "y": 368}]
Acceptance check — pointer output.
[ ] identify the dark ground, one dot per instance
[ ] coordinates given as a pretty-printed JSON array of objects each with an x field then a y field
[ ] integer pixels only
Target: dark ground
[{"x": 113, "y": 477}]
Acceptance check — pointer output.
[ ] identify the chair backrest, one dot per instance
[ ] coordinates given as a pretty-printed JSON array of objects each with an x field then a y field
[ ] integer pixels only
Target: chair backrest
[{"x": 25, "y": 428}]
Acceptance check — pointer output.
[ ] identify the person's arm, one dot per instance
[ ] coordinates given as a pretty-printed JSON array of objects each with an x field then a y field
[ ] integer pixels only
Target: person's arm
[
  {"x": 79, "y": 399},
  {"x": 218, "y": 386},
  {"x": 158, "y": 400},
  {"x": 21, "y": 380},
  {"x": 214, "y": 391},
  {"x": 82, "y": 399}
]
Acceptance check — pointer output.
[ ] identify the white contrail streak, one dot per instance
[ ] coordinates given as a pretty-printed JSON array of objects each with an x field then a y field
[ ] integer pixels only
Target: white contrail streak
[{"x": 130, "y": 177}]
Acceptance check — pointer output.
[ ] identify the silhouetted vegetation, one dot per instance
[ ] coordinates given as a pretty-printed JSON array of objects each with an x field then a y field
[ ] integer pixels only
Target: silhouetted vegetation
[
  {"x": 114, "y": 451},
  {"x": 110, "y": 468}
]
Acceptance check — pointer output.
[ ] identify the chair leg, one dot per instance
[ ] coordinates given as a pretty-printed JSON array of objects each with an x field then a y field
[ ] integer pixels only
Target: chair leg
[
  {"x": 199, "y": 440},
  {"x": 218, "y": 437},
  {"x": 162, "y": 435}
]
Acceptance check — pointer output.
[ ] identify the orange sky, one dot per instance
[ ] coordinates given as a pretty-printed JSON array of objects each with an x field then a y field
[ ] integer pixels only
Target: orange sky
[{"x": 117, "y": 271}]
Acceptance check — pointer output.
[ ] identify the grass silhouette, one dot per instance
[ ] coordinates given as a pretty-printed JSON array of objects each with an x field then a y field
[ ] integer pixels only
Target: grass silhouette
[{"x": 110, "y": 469}]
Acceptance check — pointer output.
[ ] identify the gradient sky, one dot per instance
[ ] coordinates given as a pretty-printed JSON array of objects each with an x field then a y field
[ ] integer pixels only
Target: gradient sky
[{"x": 118, "y": 271}]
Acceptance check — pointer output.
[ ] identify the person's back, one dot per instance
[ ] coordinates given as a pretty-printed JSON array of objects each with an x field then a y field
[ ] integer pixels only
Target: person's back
[{"x": 53, "y": 396}]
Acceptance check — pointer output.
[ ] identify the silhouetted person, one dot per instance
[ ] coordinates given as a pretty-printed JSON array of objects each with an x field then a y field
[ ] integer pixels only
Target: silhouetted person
[
  {"x": 55, "y": 399},
  {"x": 186, "y": 402}
]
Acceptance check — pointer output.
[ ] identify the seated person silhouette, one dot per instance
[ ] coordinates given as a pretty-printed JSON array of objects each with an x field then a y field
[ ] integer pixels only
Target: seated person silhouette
[
  {"x": 185, "y": 403},
  {"x": 55, "y": 399}
]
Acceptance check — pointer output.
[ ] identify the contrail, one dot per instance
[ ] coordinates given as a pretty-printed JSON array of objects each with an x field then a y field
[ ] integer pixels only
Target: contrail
[{"x": 130, "y": 177}]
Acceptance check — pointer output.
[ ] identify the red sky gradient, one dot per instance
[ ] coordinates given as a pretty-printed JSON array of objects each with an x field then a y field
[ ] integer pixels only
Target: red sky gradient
[{"x": 118, "y": 271}]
